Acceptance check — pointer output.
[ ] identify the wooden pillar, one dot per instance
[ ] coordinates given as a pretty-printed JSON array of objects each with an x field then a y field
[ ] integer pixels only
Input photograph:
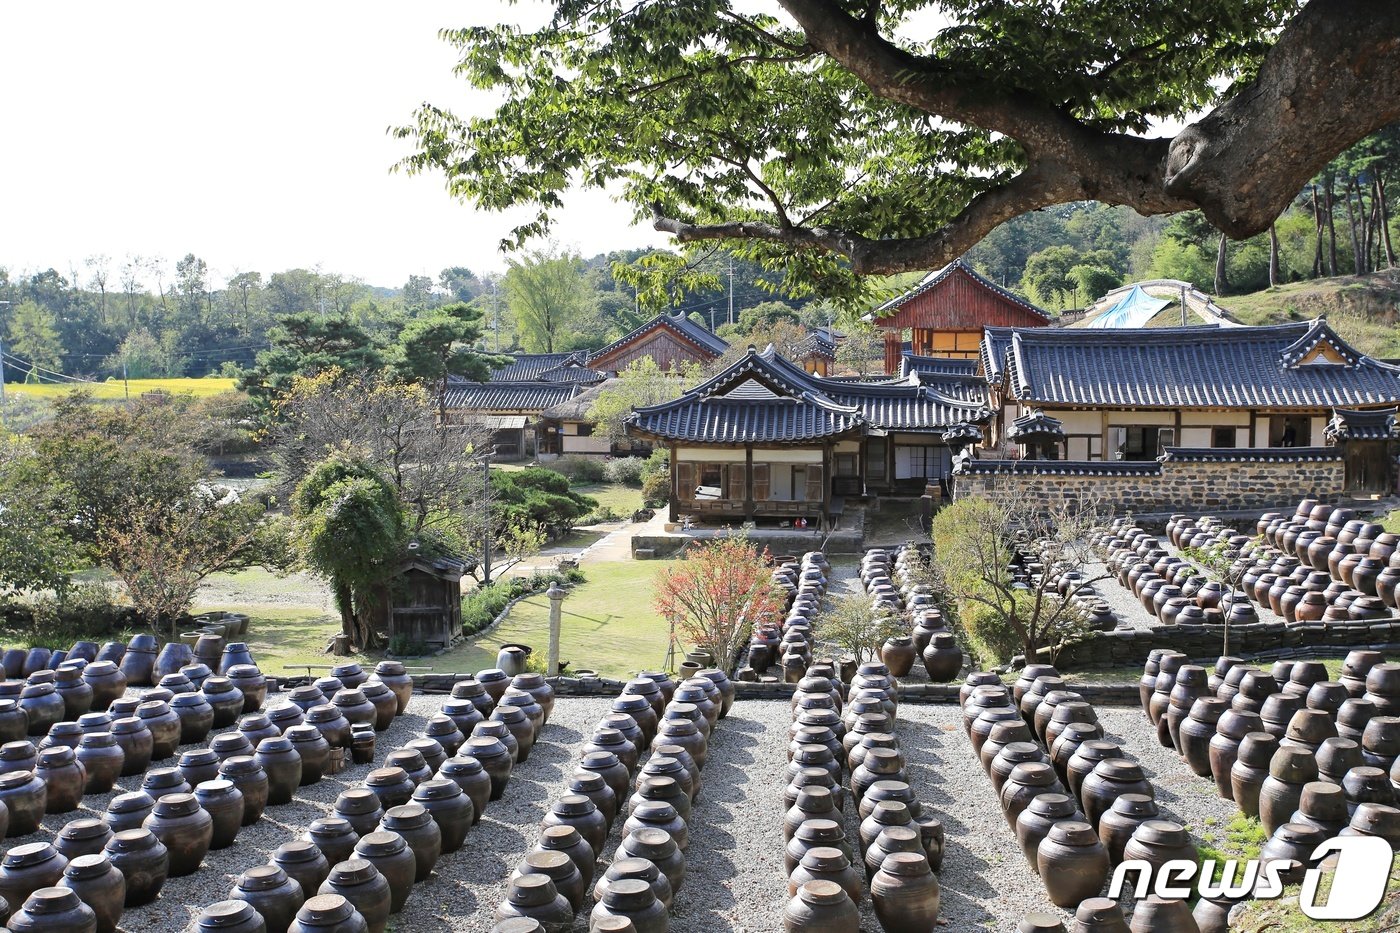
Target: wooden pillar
[
  {"x": 828, "y": 477},
  {"x": 892, "y": 353},
  {"x": 748, "y": 482},
  {"x": 675, "y": 491}
]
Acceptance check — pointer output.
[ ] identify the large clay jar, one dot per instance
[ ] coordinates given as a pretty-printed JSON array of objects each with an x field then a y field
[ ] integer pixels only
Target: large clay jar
[
  {"x": 129, "y": 811},
  {"x": 143, "y": 861},
  {"x": 1376, "y": 819},
  {"x": 1308, "y": 729},
  {"x": 1251, "y": 769},
  {"x": 361, "y": 808},
  {"x": 1231, "y": 729},
  {"x": 164, "y": 725},
  {"x": 333, "y": 726},
  {"x": 1154, "y": 914},
  {"x": 1293, "y": 842},
  {"x": 328, "y": 913},
  {"x": 898, "y": 654},
  {"x": 312, "y": 749},
  {"x": 196, "y": 717},
  {"x": 633, "y": 899},
  {"x": 1073, "y": 863},
  {"x": 184, "y": 828},
  {"x": 102, "y": 760},
  {"x": 391, "y": 785},
  {"x": 14, "y": 722},
  {"x": 60, "y": 769},
  {"x": 1085, "y": 758},
  {"x": 286, "y": 716},
  {"x": 99, "y": 885},
  {"x": 76, "y": 694},
  {"x": 1367, "y": 785},
  {"x": 251, "y": 780},
  {"x": 1189, "y": 686},
  {"x": 334, "y": 836},
  {"x": 272, "y": 894},
  {"x": 905, "y": 894},
  {"x": 304, "y": 864},
  {"x": 657, "y": 847},
  {"x": 107, "y": 682},
  {"x": 1034, "y": 823},
  {"x": 279, "y": 758},
  {"x": 824, "y": 863},
  {"x": 82, "y": 837},
  {"x": 304, "y": 698},
  {"x": 1028, "y": 677},
  {"x": 393, "y": 675},
  {"x": 535, "y": 896},
  {"x": 53, "y": 909},
  {"x": 1277, "y": 712},
  {"x": 44, "y": 706},
  {"x": 1110, "y": 779},
  {"x": 450, "y": 808},
  {"x": 18, "y": 756},
  {"x": 1383, "y": 688},
  {"x": 1119, "y": 822},
  {"x": 1322, "y": 806},
  {"x": 25, "y": 797},
  {"x": 420, "y": 834},
  {"x": 1026, "y": 782},
  {"x": 943, "y": 659},
  {"x": 29, "y": 867},
  {"x": 1158, "y": 842},
  {"x": 224, "y": 804},
  {"x": 1289, "y": 770},
  {"x": 225, "y": 699},
  {"x": 360, "y": 883},
  {"x": 255, "y": 727},
  {"x": 1196, "y": 731},
  {"x": 468, "y": 774},
  {"x": 386, "y": 704}
]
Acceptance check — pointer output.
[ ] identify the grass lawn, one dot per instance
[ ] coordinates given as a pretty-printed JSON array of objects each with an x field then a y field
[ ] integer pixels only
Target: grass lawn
[
  {"x": 1391, "y": 522},
  {"x": 622, "y": 500},
  {"x": 114, "y": 389},
  {"x": 609, "y": 625}
]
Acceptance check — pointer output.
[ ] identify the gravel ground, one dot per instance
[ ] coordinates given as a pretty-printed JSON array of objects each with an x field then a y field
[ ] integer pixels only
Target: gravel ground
[{"x": 1120, "y": 599}]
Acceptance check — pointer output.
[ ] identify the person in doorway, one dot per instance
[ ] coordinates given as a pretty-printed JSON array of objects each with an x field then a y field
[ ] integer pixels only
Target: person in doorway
[{"x": 1290, "y": 436}]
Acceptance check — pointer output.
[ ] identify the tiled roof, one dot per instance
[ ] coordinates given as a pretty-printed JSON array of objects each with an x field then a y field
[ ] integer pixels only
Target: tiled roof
[
  {"x": 1060, "y": 467},
  {"x": 936, "y": 366},
  {"x": 815, "y": 344},
  {"x": 1250, "y": 454},
  {"x": 678, "y": 323},
  {"x": 526, "y": 366},
  {"x": 933, "y": 279},
  {"x": 1350, "y": 425},
  {"x": 489, "y": 397},
  {"x": 1036, "y": 424},
  {"x": 961, "y": 435},
  {"x": 1185, "y": 367}
]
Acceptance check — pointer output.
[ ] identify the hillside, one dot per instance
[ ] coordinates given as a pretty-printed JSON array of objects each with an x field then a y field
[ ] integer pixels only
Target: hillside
[{"x": 1364, "y": 309}]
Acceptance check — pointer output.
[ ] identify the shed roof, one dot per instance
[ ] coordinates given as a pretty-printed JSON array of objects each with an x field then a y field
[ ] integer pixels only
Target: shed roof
[
  {"x": 509, "y": 397},
  {"x": 1351, "y": 425}
]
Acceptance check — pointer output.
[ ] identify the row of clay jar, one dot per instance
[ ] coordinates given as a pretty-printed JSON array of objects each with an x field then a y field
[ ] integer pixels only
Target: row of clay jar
[
  {"x": 1077, "y": 804},
  {"x": 551, "y": 883},
  {"x": 789, "y": 643},
  {"x": 895, "y": 588}
]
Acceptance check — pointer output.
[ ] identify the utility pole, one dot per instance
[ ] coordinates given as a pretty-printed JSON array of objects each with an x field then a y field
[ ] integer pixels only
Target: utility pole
[
  {"x": 3, "y": 402},
  {"x": 126, "y": 385},
  {"x": 731, "y": 289},
  {"x": 486, "y": 542},
  {"x": 496, "y": 313}
]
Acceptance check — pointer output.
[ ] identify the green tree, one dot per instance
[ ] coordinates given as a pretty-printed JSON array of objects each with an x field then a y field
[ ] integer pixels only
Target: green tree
[
  {"x": 438, "y": 346},
  {"x": 34, "y": 336},
  {"x": 859, "y": 138},
  {"x": 546, "y": 292},
  {"x": 642, "y": 383},
  {"x": 1047, "y": 277},
  {"x": 306, "y": 344}
]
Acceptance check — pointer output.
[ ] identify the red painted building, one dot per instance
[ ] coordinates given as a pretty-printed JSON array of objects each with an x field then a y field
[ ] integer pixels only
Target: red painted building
[{"x": 944, "y": 314}]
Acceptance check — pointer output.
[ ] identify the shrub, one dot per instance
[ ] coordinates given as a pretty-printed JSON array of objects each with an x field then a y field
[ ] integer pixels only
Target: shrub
[
  {"x": 86, "y": 611},
  {"x": 852, "y": 623},
  {"x": 625, "y": 470},
  {"x": 579, "y": 470},
  {"x": 481, "y": 606},
  {"x": 656, "y": 489},
  {"x": 717, "y": 594}
]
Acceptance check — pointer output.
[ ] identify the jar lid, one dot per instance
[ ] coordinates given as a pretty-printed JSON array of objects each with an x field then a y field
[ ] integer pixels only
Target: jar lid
[
  {"x": 298, "y": 850},
  {"x": 163, "y": 777},
  {"x": 491, "y": 675},
  {"x": 307, "y": 692},
  {"x": 467, "y": 687},
  {"x": 197, "y": 757},
  {"x": 275, "y": 745},
  {"x": 216, "y": 787},
  {"x": 357, "y": 801},
  {"x": 380, "y": 842},
  {"x": 262, "y": 878},
  {"x": 531, "y": 890},
  {"x": 441, "y": 725},
  {"x": 394, "y": 668},
  {"x": 822, "y": 892},
  {"x": 289, "y": 711},
  {"x": 908, "y": 864},
  {"x": 439, "y": 789},
  {"x": 386, "y": 777},
  {"x": 133, "y": 840},
  {"x": 428, "y": 748},
  {"x": 579, "y": 805},
  {"x": 29, "y": 854},
  {"x": 53, "y": 900},
  {"x": 348, "y": 696},
  {"x": 649, "y": 842},
  {"x": 183, "y": 700},
  {"x": 325, "y": 712},
  {"x": 224, "y": 914},
  {"x": 65, "y": 728},
  {"x": 200, "y": 671},
  {"x": 580, "y": 781},
  {"x": 557, "y": 864},
  {"x": 1074, "y": 833},
  {"x": 240, "y": 765},
  {"x": 177, "y": 805},
  {"x": 331, "y": 826},
  {"x": 97, "y": 740},
  {"x": 655, "y": 811},
  {"x": 354, "y": 870},
  {"x": 484, "y": 746},
  {"x": 253, "y": 722},
  {"x": 226, "y": 743},
  {"x": 241, "y": 670},
  {"x": 133, "y": 802},
  {"x": 374, "y": 688},
  {"x": 819, "y": 858},
  {"x": 562, "y": 837},
  {"x": 56, "y": 756},
  {"x": 85, "y": 828},
  {"x": 406, "y": 816},
  {"x": 463, "y": 764},
  {"x": 150, "y": 709},
  {"x": 36, "y": 690},
  {"x": 303, "y": 733},
  {"x": 325, "y": 910},
  {"x": 406, "y": 760},
  {"x": 86, "y": 867},
  {"x": 822, "y": 830},
  {"x": 328, "y": 686}
]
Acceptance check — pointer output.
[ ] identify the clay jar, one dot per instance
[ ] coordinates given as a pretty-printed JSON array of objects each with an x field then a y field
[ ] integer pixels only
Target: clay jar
[
  {"x": 1251, "y": 769},
  {"x": 272, "y": 894},
  {"x": 303, "y": 863},
  {"x": 1289, "y": 770},
  {"x": 224, "y": 804},
  {"x": 419, "y": 832},
  {"x": 29, "y": 867},
  {"x": 1085, "y": 758},
  {"x": 386, "y": 703},
  {"x": 535, "y": 897},
  {"x": 1189, "y": 686},
  {"x": 943, "y": 659},
  {"x": 362, "y": 885},
  {"x": 1027, "y": 781},
  {"x": 250, "y": 681},
  {"x": 107, "y": 682},
  {"x": 393, "y": 675},
  {"x": 1308, "y": 729},
  {"x": 1231, "y": 728},
  {"x": 658, "y": 848},
  {"x": 1117, "y": 825},
  {"x": 60, "y": 769},
  {"x": 184, "y": 828},
  {"x": 328, "y": 913},
  {"x": 251, "y": 780},
  {"x": 44, "y": 706},
  {"x": 1277, "y": 712},
  {"x": 255, "y": 727},
  {"x": 196, "y": 717},
  {"x": 1110, "y": 779},
  {"x": 1073, "y": 863},
  {"x": 633, "y": 899},
  {"x": 468, "y": 774},
  {"x": 143, "y": 862},
  {"x": 826, "y": 863},
  {"x": 1158, "y": 842},
  {"x": 334, "y": 836},
  {"x": 389, "y": 853},
  {"x": 905, "y": 894},
  {"x": 312, "y": 749},
  {"x": 82, "y": 837},
  {"x": 52, "y": 909},
  {"x": 1196, "y": 731},
  {"x": 128, "y": 811},
  {"x": 280, "y": 759},
  {"x": 225, "y": 699},
  {"x": 334, "y": 727},
  {"x": 1034, "y": 823},
  {"x": 450, "y": 808},
  {"x": 25, "y": 797},
  {"x": 76, "y": 694}
]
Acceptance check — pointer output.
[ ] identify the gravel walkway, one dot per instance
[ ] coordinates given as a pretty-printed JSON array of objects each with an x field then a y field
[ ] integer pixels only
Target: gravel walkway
[{"x": 1120, "y": 599}]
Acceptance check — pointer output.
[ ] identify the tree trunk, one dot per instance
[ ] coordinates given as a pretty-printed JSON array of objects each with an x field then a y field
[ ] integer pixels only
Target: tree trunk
[
  {"x": 1356, "y": 257},
  {"x": 1273, "y": 256},
  {"x": 1385, "y": 222},
  {"x": 1331, "y": 232},
  {"x": 1317, "y": 236},
  {"x": 1221, "y": 282}
]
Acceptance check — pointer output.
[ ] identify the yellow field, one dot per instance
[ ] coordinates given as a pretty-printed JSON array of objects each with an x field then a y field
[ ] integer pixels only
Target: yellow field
[{"x": 114, "y": 389}]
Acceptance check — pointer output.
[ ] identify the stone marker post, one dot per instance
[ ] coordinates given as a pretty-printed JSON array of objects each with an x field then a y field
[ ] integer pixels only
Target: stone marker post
[{"x": 556, "y": 600}]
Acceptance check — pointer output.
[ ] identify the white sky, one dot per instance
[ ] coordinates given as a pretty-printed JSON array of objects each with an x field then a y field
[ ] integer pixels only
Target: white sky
[{"x": 251, "y": 134}]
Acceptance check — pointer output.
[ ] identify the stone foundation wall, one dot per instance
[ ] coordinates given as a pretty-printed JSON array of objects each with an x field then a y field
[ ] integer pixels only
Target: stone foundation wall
[{"x": 1183, "y": 480}]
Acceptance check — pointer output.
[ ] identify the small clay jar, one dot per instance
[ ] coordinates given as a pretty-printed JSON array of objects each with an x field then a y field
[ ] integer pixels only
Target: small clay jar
[
  {"x": 286, "y": 716},
  {"x": 25, "y": 797},
  {"x": 251, "y": 780},
  {"x": 495, "y": 760},
  {"x": 1289, "y": 770},
  {"x": 1073, "y": 863},
  {"x": 898, "y": 654},
  {"x": 1230, "y": 730},
  {"x": 1034, "y": 823},
  {"x": 362, "y": 885},
  {"x": 620, "y": 869},
  {"x": 658, "y": 814},
  {"x": 306, "y": 697},
  {"x": 468, "y": 774},
  {"x": 328, "y": 913},
  {"x": 1110, "y": 779},
  {"x": 1119, "y": 822},
  {"x": 535, "y": 897},
  {"x": 29, "y": 867},
  {"x": 280, "y": 759},
  {"x": 420, "y": 834},
  {"x": 1251, "y": 769},
  {"x": 20, "y": 755},
  {"x": 60, "y": 769},
  {"x": 905, "y": 893},
  {"x": 82, "y": 837},
  {"x": 224, "y": 804},
  {"x": 143, "y": 861},
  {"x": 161, "y": 781},
  {"x": 334, "y": 836},
  {"x": 1158, "y": 842},
  {"x": 1196, "y": 731},
  {"x": 361, "y": 808},
  {"x": 450, "y": 808},
  {"x": 255, "y": 727},
  {"x": 1367, "y": 785},
  {"x": 129, "y": 811},
  {"x": 52, "y": 909},
  {"x": 198, "y": 765},
  {"x": 658, "y": 848},
  {"x": 268, "y": 890},
  {"x": 312, "y": 749},
  {"x": 303, "y": 863}
]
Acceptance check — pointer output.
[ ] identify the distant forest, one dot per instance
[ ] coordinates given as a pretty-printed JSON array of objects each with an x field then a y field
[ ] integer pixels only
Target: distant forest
[{"x": 150, "y": 318}]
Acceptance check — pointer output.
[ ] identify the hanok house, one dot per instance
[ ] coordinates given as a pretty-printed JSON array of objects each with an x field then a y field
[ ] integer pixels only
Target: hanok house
[
  {"x": 1129, "y": 395},
  {"x": 509, "y": 409},
  {"x": 672, "y": 340},
  {"x": 766, "y": 441},
  {"x": 944, "y": 315}
]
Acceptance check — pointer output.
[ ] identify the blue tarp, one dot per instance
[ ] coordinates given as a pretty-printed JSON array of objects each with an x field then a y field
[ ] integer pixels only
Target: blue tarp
[{"x": 1134, "y": 309}]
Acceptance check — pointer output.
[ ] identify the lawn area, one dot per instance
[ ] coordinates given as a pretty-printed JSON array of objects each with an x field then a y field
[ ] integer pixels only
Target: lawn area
[
  {"x": 114, "y": 389},
  {"x": 1391, "y": 522},
  {"x": 622, "y": 500},
  {"x": 609, "y": 625}
]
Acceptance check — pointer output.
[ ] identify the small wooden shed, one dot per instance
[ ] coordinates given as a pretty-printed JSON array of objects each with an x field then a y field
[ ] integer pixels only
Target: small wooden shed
[{"x": 425, "y": 602}]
